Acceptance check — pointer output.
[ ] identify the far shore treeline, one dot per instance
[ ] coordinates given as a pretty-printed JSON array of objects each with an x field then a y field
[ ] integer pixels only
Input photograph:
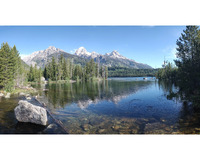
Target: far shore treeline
[
  {"x": 66, "y": 70},
  {"x": 131, "y": 72}
]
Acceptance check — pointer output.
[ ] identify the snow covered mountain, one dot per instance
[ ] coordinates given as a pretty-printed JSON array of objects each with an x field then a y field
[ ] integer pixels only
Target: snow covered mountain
[
  {"x": 43, "y": 54},
  {"x": 81, "y": 56},
  {"x": 113, "y": 59},
  {"x": 116, "y": 55},
  {"x": 82, "y": 52},
  {"x": 41, "y": 58}
]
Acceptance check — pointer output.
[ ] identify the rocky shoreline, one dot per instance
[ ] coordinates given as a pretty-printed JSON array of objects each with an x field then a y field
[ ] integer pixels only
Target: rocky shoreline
[
  {"x": 30, "y": 110},
  {"x": 20, "y": 91}
]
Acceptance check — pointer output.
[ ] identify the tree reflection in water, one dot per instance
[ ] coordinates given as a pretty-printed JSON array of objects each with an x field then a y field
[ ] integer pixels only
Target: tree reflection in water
[
  {"x": 189, "y": 117},
  {"x": 61, "y": 95}
]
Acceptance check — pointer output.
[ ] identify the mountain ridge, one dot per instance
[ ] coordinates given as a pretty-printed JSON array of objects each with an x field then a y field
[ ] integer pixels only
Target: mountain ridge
[{"x": 81, "y": 56}]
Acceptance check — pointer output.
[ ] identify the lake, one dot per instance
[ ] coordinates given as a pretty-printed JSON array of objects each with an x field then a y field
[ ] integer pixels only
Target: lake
[{"x": 114, "y": 106}]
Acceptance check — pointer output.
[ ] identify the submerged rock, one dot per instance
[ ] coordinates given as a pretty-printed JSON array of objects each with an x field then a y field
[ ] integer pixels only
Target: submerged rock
[
  {"x": 116, "y": 127},
  {"x": 27, "y": 112},
  {"x": 53, "y": 129},
  {"x": 101, "y": 131},
  {"x": 28, "y": 98},
  {"x": 86, "y": 127}
]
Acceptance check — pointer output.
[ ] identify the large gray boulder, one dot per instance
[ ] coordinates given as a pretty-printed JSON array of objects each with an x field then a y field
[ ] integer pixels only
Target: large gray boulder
[{"x": 27, "y": 112}]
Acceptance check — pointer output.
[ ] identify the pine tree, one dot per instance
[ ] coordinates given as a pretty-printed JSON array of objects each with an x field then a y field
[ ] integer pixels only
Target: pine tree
[
  {"x": 68, "y": 69},
  {"x": 60, "y": 67},
  {"x": 97, "y": 70},
  {"x": 72, "y": 69},
  {"x": 31, "y": 74},
  {"x": 6, "y": 65},
  {"x": 45, "y": 73},
  {"x": 53, "y": 70},
  {"x": 188, "y": 54},
  {"x": 64, "y": 68},
  {"x": 101, "y": 72},
  {"x": 106, "y": 72}
]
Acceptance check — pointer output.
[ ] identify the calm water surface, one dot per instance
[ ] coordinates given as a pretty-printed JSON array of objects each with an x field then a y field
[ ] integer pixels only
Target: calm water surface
[{"x": 115, "y": 106}]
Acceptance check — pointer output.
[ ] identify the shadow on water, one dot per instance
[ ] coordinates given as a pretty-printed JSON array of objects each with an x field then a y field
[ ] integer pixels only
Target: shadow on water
[
  {"x": 28, "y": 128},
  {"x": 189, "y": 115}
]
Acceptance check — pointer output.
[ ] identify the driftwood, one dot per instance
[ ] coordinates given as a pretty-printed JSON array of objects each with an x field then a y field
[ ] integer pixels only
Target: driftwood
[{"x": 58, "y": 122}]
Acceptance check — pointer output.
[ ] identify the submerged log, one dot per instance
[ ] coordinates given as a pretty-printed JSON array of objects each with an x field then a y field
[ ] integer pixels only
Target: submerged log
[{"x": 57, "y": 122}]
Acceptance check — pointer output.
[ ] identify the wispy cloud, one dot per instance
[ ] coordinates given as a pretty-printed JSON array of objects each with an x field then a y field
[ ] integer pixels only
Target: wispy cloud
[{"x": 170, "y": 52}]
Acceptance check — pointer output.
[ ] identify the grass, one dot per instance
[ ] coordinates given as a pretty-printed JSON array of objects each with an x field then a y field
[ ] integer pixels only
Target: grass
[{"x": 19, "y": 90}]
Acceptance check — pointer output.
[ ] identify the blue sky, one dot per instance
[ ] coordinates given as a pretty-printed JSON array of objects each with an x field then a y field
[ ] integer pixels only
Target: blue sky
[{"x": 145, "y": 44}]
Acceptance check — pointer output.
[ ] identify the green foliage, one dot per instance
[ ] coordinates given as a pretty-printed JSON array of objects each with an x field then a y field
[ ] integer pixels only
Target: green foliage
[
  {"x": 169, "y": 72},
  {"x": 66, "y": 70},
  {"x": 188, "y": 54},
  {"x": 9, "y": 87},
  {"x": 129, "y": 72},
  {"x": 106, "y": 72},
  {"x": 11, "y": 69},
  {"x": 186, "y": 75},
  {"x": 34, "y": 74}
]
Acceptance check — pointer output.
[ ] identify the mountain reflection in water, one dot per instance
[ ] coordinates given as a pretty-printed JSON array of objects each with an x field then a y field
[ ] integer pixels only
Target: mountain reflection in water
[
  {"x": 85, "y": 94},
  {"x": 115, "y": 106},
  {"x": 118, "y": 105}
]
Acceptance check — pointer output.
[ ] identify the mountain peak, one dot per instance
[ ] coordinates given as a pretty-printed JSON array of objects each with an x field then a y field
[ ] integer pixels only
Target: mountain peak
[
  {"x": 82, "y": 48},
  {"x": 43, "y": 54},
  {"x": 41, "y": 58},
  {"x": 52, "y": 48},
  {"x": 115, "y": 54},
  {"x": 81, "y": 51}
]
